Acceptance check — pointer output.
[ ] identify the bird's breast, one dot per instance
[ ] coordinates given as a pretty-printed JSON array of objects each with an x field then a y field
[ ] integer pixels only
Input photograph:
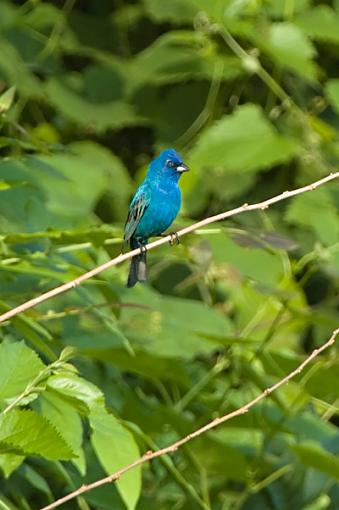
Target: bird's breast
[{"x": 161, "y": 212}]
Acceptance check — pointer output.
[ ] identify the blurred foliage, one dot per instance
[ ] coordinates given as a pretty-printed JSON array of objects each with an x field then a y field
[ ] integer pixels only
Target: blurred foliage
[{"x": 248, "y": 91}]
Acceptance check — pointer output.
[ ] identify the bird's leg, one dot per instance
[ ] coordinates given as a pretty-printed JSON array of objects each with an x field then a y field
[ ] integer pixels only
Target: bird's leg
[{"x": 143, "y": 249}]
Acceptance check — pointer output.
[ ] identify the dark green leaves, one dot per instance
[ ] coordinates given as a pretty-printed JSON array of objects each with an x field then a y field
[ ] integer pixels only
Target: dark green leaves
[{"x": 248, "y": 93}]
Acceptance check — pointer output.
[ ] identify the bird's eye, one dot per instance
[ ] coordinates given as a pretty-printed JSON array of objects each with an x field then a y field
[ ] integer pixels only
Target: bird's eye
[{"x": 170, "y": 163}]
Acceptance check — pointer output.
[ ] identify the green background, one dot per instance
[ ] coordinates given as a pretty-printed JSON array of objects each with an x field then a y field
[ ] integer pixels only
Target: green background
[{"x": 248, "y": 92}]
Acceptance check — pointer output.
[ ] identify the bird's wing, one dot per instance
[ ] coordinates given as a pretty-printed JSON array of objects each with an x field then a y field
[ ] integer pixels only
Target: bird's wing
[{"x": 137, "y": 208}]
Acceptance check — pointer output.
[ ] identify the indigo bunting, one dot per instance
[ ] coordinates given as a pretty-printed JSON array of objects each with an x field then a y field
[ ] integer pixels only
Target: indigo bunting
[{"x": 154, "y": 207}]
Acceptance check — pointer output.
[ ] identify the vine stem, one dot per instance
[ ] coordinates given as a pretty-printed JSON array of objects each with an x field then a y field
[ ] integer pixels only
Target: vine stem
[
  {"x": 150, "y": 455},
  {"x": 191, "y": 228}
]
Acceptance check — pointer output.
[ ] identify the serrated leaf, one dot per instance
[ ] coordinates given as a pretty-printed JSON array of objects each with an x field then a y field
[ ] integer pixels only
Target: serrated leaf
[
  {"x": 19, "y": 366},
  {"x": 116, "y": 448},
  {"x": 32, "y": 434},
  {"x": 292, "y": 49},
  {"x": 242, "y": 142},
  {"x": 65, "y": 418}
]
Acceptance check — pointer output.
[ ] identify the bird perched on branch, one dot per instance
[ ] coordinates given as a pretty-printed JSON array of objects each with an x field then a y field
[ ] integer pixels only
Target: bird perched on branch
[{"x": 154, "y": 207}]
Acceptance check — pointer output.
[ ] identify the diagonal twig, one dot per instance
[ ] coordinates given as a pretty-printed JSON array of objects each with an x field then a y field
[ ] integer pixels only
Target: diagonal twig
[
  {"x": 125, "y": 256},
  {"x": 212, "y": 424}
]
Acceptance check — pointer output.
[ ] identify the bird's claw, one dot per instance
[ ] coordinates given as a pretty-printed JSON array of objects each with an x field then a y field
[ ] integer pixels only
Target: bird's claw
[{"x": 174, "y": 238}]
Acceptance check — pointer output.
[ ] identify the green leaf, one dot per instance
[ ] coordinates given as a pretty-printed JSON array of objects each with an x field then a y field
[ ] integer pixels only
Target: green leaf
[
  {"x": 312, "y": 454},
  {"x": 180, "y": 55},
  {"x": 292, "y": 49},
  {"x": 116, "y": 448},
  {"x": 219, "y": 458},
  {"x": 242, "y": 142},
  {"x": 5, "y": 504},
  {"x": 36, "y": 480},
  {"x": 44, "y": 15},
  {"x": 32, "y": 331},
  {"x": 90, "y": 115},
  {"x": 17, "y": 71},
  {"x": 145, "y": 364},
  {"x": 9, "y": 462},
  {"x": 320, "y": 22},
  {"x": 317, "y": 211},
  {"x": 19, "y": 366},
  {"x": 81, "y": 187},
  {"x": 174, "y": 327},
  {"x": 6, "y": 99},
  {"x": 32, "y": 434},
  {"x": 261, "y": 265},
  {"x": 76, "y": 388},
  {"x": 65, "y": 418},
  {"x": 176, "y": 12}
]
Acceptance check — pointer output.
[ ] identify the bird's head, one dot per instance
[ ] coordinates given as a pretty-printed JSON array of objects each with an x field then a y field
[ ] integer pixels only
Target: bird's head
[{"x": 168, "y": 164}]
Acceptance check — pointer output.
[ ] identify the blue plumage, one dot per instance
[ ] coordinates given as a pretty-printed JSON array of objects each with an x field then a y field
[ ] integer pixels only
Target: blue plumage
[{"x": 154, "y": 207}]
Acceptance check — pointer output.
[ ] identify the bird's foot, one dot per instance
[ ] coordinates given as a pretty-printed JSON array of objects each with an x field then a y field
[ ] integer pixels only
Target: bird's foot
[{"x": 174, "y": 238}]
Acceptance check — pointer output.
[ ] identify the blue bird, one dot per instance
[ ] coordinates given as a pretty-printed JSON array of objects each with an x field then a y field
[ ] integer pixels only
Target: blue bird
[{"x": 154, "y": 207}]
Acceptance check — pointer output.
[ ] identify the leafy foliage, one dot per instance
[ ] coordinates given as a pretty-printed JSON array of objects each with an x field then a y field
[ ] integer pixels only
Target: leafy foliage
[{"x": 249, "y": 93}]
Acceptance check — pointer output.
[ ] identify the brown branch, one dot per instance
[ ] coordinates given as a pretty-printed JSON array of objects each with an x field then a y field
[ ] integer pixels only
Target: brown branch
[
  {"x": 217, "y": 421},
  {"x": 125, "y": 256}
]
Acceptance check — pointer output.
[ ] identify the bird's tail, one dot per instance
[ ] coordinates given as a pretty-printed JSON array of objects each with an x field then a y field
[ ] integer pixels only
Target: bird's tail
[{"x": 137, "y": 270}]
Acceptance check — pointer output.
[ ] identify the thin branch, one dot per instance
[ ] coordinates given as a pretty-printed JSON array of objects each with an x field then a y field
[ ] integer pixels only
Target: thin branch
[
  {"x": 125, "y": 256},
  {"x": 214, "y": 423}
]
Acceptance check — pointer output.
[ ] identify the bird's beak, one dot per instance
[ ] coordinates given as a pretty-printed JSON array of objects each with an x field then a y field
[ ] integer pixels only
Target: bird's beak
[{"x": 182, "y": 168}]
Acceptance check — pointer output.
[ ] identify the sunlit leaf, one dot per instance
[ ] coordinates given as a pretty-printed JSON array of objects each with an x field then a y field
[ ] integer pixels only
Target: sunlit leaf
[
  {"x": 19, "y": 366},
  {"x": 31, "y": 434},
  {"x": 116, "y": 448},
  {"x": 6, "y": 99},
  {"x": 242, "y": 142},
  {"x": 289, "y": 47}
]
